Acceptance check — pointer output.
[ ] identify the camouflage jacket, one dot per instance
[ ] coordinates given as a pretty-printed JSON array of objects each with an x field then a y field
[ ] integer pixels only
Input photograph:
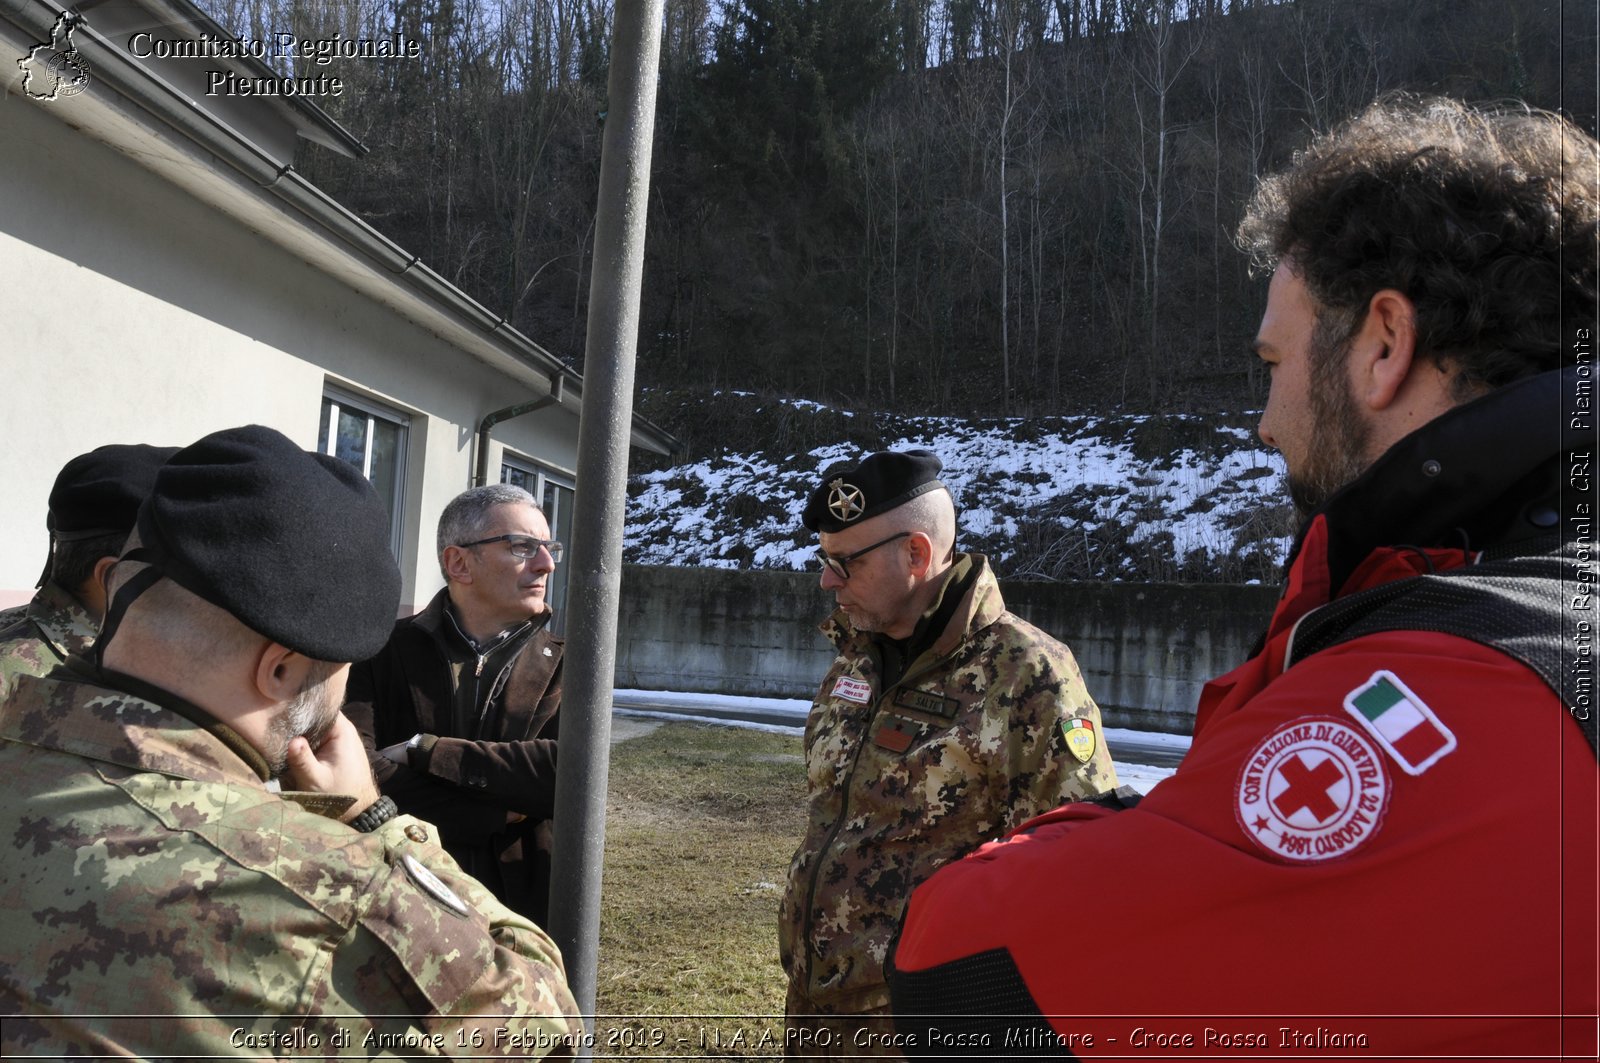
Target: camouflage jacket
[
  {"x": 50, "y": 627},
  {"x": 985, "y": 730},
  {"x": 162, "y": 901}
]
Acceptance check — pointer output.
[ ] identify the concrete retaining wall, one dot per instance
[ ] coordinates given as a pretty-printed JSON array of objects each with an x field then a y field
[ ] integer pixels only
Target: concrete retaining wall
[{"x": 1145, "y": 649}]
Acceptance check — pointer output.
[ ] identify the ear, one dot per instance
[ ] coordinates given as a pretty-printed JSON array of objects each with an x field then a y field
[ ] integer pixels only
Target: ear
[
  {"x": 94, "y": 593},
  {"x": 921, "y": 550},
  {"x": 1383, "y": 352},
  {"x": 280, "y": 672},
  {"x": 457, "y": 568}
]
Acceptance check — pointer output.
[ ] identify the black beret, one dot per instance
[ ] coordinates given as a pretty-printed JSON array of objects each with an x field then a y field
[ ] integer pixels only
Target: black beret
[
  {"x": 293, "y": 544},
  {"x": 99, "y": 493},
  {"x": 880, "y": 482}
]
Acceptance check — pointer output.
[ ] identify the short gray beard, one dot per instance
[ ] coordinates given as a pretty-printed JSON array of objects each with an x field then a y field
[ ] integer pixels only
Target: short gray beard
[
  {"x": 310, "y": 712},
  {"x": 868, "y": 622}
]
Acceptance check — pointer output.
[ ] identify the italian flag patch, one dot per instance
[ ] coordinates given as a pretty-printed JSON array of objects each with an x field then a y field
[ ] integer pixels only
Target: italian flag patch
[
  {"x": 1400, "y": 721},
  {"x": 1079, "y": 734}
]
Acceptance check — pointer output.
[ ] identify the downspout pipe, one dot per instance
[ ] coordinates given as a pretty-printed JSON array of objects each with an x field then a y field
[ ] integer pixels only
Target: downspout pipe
[{"x": 558, "y": 387}]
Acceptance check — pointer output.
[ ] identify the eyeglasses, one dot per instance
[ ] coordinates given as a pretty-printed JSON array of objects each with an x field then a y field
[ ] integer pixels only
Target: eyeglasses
[
  {"x": 840, "y": 566},
  {"x": 523, "y": 546}
]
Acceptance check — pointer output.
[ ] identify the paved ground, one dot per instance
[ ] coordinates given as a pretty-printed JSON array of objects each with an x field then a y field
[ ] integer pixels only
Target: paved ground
[
  {"x": 624, "y": 728},
  {"x": 1149, "y": 748},
  {"x": 1142, "y": 758}
]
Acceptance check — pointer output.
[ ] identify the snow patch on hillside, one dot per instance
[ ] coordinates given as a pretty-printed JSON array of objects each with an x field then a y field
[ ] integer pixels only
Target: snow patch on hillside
[{"x": 1116, "y": 497}]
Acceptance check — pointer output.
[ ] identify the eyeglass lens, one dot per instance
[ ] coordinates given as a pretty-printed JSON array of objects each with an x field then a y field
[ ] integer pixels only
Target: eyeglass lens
[{"x": 527, "y": 548}]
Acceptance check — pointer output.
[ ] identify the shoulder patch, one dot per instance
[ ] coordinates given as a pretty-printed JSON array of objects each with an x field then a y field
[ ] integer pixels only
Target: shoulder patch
[
  {"x": 1081, "y": 740},
  {"x": 1315, "y": 789},
  {"x": 433, "y": 885},
  {"x": 1401, "y": 722},
  {"x": 852, "y": 689}
]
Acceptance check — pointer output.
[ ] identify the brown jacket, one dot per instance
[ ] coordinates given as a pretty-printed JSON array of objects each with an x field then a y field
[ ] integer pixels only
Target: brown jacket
[{"x": 489, "y": 781}]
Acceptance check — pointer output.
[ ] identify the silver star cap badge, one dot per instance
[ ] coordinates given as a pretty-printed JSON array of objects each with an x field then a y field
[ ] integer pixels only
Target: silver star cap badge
[{"x": 845, "y": 501}]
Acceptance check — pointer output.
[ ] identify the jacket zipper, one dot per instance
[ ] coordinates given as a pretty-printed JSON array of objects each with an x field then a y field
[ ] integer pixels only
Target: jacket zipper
[{"x": 500, "y": 680}]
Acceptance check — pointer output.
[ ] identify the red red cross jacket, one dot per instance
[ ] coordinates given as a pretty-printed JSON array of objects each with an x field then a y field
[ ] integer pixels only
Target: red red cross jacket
[{"x": 1387, "y": 849}]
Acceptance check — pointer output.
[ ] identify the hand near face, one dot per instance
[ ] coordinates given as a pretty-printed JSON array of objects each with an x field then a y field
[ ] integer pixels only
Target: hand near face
[{"x": 336, "y": 765}]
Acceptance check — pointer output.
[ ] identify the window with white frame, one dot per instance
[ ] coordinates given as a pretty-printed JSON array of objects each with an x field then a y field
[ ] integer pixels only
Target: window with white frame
[
  {"x": 373, "y": 439},
  {"x": 554, "y": 492}
]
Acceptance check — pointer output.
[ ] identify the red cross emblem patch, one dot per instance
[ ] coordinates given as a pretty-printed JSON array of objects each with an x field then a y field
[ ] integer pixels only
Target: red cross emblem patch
[{"x": 1314, "y": 789}]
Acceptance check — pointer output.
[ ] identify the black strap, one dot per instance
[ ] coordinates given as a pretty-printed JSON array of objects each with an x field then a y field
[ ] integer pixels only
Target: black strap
[
  {"x": 1521, "y": 605},
  {"x": 137, "y": 584}
]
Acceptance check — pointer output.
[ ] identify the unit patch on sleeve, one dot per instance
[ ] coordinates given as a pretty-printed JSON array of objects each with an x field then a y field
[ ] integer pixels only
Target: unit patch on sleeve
[
  {"x": 1080, "y": 737},
  {"x": 852, "y": 689},
  {"x": 1314, "y": 789},
  {"x": 1400, "y": 721}
]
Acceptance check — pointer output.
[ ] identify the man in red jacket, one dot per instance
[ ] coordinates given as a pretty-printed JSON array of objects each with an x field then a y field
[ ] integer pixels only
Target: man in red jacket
[
  {"x": 1383, "y": 840},
  {"x": 459, "y": 711}
]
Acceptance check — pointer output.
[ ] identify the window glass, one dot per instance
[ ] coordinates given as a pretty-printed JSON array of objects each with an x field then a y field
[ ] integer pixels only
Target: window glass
[
  {"x": 510, "y": 474},
  {"x": 373, "y": 439},
  {"x": 384, "y": 468},
  {"x": 353, "y": 439},
  {"x": 554, "y": 493}
]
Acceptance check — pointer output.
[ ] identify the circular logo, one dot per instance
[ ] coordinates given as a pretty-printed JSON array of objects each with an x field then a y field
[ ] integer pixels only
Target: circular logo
[
  {"x": 1314, "y": 789},
  {"x": 845, "y": 500},
  {"x": 69, "y": 73}
]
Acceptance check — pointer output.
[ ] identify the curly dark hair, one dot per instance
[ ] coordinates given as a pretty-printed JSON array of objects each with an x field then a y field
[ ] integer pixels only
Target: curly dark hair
[{"x": 1485, "y": 218}]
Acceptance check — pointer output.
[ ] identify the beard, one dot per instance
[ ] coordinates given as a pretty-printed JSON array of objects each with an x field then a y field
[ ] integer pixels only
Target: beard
[
  {"x": 311, "y": 712},
  {"x": 1338, "y": 455},
  {"x": 866, "y": 621}
]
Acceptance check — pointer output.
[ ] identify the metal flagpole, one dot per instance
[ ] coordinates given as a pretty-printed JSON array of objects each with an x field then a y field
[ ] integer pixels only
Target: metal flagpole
[{"x": 595, "y": 574}]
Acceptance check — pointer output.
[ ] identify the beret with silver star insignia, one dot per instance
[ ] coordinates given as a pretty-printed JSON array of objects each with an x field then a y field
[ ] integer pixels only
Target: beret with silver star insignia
[{"x": 849, "y": 494}]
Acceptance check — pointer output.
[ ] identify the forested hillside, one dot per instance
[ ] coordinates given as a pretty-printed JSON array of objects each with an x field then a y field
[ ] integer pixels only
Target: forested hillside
[{"x": 997, "y": 207}]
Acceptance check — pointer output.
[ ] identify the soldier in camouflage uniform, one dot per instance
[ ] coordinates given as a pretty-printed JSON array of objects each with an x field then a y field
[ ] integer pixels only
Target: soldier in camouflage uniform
[
  {"x": 199, "y": 862},
  {"x": 92, "y": 506},
  {"x": 944, "y": 722},
  {"x": 41, "y": 634}
]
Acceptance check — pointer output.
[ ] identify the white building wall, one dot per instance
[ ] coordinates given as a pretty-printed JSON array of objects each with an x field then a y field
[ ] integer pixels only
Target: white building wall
[{"x": 135, "y": 314}]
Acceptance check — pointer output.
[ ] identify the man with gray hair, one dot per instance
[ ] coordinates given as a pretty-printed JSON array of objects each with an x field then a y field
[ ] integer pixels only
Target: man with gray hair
[
  {"x": 196, "y": 863},
  {"x": 458, "y": 712}
]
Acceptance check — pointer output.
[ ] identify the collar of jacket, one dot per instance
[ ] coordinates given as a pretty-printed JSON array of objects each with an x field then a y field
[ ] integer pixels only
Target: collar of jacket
[
  {"x": 66, "y": 624},
  {"x": 118, "y": 719},
  {"x": 1478, "y": 475},
  {"x": 440, "y": 628},
  {"x": 980, "y": 607}
]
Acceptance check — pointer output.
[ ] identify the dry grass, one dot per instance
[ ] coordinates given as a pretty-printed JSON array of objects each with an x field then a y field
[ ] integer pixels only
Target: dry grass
[{"x": 701, "y": 824}]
